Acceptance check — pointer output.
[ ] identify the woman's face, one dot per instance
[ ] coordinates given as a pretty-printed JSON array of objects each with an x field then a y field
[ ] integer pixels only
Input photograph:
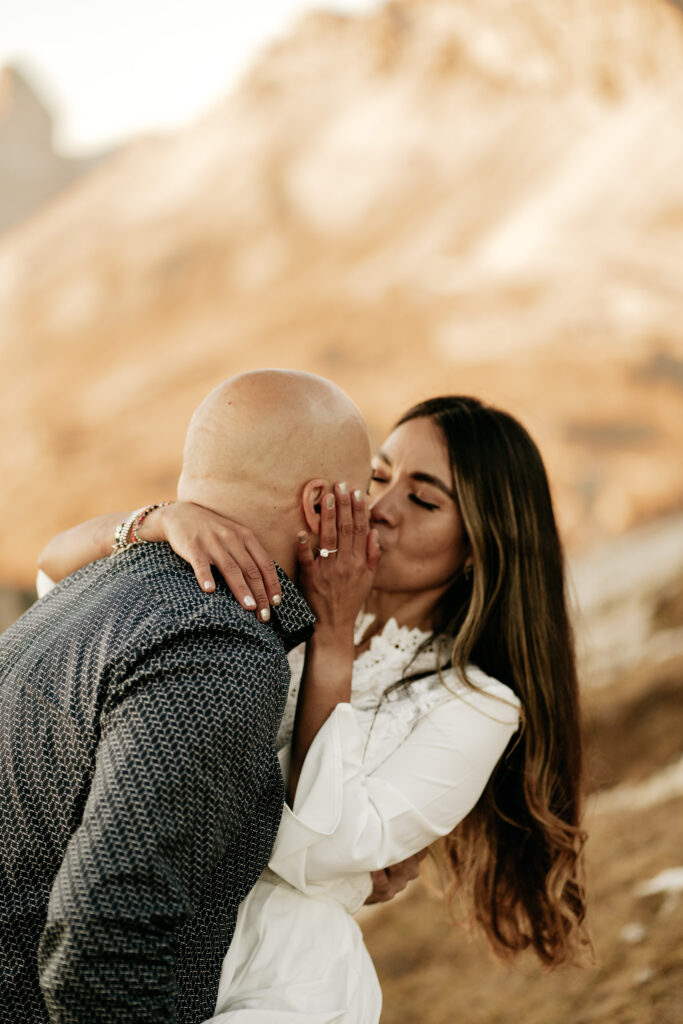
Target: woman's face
[{"x": 414, "y": 510}]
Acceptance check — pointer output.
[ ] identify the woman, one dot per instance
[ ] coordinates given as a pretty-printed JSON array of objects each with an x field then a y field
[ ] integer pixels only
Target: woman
[{"x": 463, "y": 636}]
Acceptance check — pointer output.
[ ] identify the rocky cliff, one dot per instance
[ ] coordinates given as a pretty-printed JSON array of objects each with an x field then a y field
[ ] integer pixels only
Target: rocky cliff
[
  {"x": 443, "y": 195},
  {"x": 31, "y": 170}
]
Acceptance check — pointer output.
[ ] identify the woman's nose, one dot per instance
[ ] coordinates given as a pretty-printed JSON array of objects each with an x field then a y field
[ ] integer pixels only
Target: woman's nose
[{"x": 383, "y": 510}]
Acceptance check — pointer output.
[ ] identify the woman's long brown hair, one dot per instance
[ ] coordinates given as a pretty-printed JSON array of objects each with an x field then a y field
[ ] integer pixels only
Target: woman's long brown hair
[{"x": 516, "y": 858}]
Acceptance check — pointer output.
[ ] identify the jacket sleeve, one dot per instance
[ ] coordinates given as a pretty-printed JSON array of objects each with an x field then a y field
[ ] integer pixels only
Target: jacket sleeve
[
  {"x": 183, "y": 752},
  {"x": 347, "y": 819}
]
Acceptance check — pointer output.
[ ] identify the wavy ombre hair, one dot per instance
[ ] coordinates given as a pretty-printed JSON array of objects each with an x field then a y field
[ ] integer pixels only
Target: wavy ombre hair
[{"x": 516, "y": 858}]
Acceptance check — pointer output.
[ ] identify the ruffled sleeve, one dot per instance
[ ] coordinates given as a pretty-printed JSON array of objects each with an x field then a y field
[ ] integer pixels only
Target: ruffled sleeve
[{"x": 347, "y": 820}]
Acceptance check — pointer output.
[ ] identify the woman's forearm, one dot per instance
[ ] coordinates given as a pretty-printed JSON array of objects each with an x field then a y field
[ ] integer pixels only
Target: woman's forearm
[
  {"x": 80, "y": 545},
  {"x": 201, "y": 537},
  {"x": 326, "y": 682}
]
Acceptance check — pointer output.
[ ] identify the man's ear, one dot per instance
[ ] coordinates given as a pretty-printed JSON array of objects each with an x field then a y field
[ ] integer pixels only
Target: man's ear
[{"x": 311, "y": 499}]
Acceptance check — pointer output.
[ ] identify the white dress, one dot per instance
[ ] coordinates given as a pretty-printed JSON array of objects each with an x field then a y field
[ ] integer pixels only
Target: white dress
[{"x": 381, "y": 780}]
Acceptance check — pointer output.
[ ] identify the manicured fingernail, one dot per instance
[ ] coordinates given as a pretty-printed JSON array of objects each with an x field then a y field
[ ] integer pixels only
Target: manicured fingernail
[
  {"x": 264, "y": 614},
  {"x": 343, "y": 487},
  {"x": 329, "y": 501},
  {"x": 358, "y": 495},
  {"x": 208, "y": 584},
  {"x": 249, "y": 602},
  {"x": 302, "y": 537},
  {"x": 276, "y": 599}
]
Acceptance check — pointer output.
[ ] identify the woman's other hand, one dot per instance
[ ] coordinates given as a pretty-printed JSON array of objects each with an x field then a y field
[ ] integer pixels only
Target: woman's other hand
[
  {"x": 393, "y": 880},
  {"x": 205, "y": 539},
  {"x": 337, "y": 585}
]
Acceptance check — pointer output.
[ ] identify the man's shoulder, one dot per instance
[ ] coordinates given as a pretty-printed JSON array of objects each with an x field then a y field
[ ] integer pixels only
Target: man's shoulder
[
  {"x": 164, "y": 592},
  {"x": 174, "y": 591},
  {"x": 121, "y": 607},
  {"x": 137, "y": 598},
  {"x": 177, "y": 648}
]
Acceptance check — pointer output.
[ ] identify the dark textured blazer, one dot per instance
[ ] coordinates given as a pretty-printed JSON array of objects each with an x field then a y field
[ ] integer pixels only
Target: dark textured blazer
[{"x": 140, "y": 792}]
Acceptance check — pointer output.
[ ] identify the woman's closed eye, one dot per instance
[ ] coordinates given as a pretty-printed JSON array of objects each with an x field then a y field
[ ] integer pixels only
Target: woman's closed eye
[
  {"x": 416, "y": 499},
  {"x": 422, "y": 503}
]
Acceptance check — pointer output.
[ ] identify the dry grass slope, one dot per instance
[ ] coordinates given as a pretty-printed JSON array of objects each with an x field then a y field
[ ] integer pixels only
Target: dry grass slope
[{"x": 433, "y": 973}]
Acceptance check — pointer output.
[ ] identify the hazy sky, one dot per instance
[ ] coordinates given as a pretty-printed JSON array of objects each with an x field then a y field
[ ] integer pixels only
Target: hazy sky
[{"x": 112, "y": 68}]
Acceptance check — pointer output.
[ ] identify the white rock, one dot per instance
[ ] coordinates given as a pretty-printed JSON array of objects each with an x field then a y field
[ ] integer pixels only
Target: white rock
[
  {"x": 669, "y": 881},
  {"x": 633, "y": 932}
]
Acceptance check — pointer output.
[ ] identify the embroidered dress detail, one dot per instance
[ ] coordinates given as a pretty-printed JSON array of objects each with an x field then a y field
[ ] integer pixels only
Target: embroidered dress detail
[{"x": 391, "y": 654}]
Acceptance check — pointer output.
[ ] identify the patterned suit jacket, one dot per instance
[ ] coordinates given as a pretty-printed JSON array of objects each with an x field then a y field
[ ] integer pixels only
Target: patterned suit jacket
[{"x": 139, "y": 786}]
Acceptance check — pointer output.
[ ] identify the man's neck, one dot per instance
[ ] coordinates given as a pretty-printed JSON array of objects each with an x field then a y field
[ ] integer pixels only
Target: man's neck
[
  {"x": 281, "y": 550},
  {"x": 272, "y": 531}
]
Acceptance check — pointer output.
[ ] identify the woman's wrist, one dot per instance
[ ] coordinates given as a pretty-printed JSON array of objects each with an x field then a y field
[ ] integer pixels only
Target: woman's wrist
[
  {"x": 153, "y": 527},
  {"x": 327, "y": 673},
  {"x": 336, "y": 639}
]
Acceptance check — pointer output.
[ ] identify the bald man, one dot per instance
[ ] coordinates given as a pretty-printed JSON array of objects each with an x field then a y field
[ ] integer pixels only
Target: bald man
[{"x": 141, "y": 791}]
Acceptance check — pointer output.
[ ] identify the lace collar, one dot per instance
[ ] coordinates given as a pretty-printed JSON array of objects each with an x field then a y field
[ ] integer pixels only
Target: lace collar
[{"x": 390, "y": 653}]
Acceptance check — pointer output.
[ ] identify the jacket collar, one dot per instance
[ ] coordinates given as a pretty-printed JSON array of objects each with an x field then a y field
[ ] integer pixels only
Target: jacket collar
[{"x": 293, "y": 619}]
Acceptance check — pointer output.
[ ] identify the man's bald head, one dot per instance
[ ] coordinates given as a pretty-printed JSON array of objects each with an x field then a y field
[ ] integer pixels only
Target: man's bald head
[{"x": 258, "y": 438}]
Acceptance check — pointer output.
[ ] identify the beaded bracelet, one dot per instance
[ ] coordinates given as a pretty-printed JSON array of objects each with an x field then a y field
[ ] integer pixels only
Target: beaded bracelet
[
  {"x": 131, "y": 525},
  {"x": 140, "y": 518},
  {"x": 121, "y": 535}
]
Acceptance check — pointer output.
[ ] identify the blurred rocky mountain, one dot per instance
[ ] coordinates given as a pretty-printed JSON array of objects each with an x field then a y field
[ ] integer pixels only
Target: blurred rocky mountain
[
  {"x": 475, "y": 196},
  {"x": 31, "y": 170}
]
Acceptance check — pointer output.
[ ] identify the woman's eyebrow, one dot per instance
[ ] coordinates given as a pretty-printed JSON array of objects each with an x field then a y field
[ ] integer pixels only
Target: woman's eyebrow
[
  {"x": 425, "y": 478},
  {"x": 435, "y": 481}
]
